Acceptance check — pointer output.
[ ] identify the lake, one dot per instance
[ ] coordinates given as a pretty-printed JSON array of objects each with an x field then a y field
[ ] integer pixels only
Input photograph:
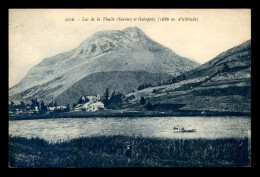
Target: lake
[{"x": 68, "y": 128}]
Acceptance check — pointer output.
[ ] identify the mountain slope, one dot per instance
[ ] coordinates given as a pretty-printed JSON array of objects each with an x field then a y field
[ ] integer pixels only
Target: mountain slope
[
  {"x": 236, "y": 58},
  {"x": 222, "y": 84},
  {"x": 116, "y": 81},
  {"x": 126, "y": 50}
]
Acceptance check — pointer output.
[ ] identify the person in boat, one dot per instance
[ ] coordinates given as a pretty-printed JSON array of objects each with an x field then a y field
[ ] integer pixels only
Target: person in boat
[
  {"x": 190, "y": 128},
  {"x": 177, "y": 127}
]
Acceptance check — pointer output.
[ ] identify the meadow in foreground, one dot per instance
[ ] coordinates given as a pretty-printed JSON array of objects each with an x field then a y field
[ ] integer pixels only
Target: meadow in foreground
[{"x": 108, "y": 151}]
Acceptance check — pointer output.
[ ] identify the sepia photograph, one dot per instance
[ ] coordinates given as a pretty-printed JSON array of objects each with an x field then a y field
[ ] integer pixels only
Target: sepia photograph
[{"x": 127, "y": 88}]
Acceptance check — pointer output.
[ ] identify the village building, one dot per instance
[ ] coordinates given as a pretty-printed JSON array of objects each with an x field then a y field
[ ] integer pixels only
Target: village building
[
  {"x": 93, "y": 99},
  {"x": 51, "y": 108},
  {"x": 83, "y": 99},
  {"x": 60, "y": 108},
  {"x": 93, "y": 106},
  {"x": 78, "y": 107}
]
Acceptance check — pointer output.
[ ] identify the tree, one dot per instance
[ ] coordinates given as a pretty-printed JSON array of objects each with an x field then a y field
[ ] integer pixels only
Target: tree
[
  {"x": 27, "y": 105},
  {"x": 68, "y": 107},
  {"x": 116, "y": 99},
  {"x": 226, "y": 67},
  {"x": 55, "y": 104},
  {"x": 173, "y": 80},
  {"x": 143, "y": 86},
  {"x": 22, "y": 105},
  {"x": 149, "y": 106},
  {"x": 142, "y": 101},
  {"x": 32, "y": 107},
  {"x": 12, "y": 106},
  {"x": 43, "y": 107},
  {"x": 82, "y": 100},
  {"x": 106, "y": 95},
  {"x": 50, "y": 104},
  {"x": 37, "y": 103}
]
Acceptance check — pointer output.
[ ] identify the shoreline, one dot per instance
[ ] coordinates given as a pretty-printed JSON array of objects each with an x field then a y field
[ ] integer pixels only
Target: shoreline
[{"x": 123, "y": 114}]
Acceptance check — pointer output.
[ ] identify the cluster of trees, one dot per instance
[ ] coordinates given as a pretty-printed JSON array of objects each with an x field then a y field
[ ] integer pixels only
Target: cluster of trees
[
  {"x": 170, "y": 81},
  {"x": 22, "y": 107},
  {"x": 148, "y": 105},
  {"x": 143, "y": 86},
  {"x": 51, "y": 104},
  {"x": 173, "y": 80},
  {"x": 116, "y": 98},
  {"x": 36, "y": 106},
  {"x": 226, "y": 67},
  {"x": 13, "y": 107},
  {"x": 114, "y": 101}
]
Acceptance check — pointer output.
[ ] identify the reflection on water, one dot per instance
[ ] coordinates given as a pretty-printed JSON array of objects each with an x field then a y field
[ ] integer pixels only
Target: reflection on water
[{"x": 69, "y": 128}]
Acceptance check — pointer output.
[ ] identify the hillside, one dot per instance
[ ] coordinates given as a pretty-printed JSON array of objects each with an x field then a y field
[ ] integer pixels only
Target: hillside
[
  {"x": 222, "y": 84},
  {"x": 104, "y": 51},
  {"x": 118, "y": 81}
]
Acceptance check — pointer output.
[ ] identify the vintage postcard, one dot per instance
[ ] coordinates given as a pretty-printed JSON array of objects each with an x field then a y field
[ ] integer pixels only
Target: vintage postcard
[{"x": 129, "y": 88}]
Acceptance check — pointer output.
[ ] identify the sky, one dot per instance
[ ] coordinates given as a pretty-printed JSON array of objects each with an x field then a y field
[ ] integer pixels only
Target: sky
[{"x": 35, "y": 34}]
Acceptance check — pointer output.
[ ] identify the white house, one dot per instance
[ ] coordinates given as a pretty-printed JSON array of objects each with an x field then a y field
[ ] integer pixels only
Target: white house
[
  {"x": 78, "y": 107},
  {"x": 51, "y": 108},
  {"x": 60, "y": 107},
  {"x": 93, "y": 106}
]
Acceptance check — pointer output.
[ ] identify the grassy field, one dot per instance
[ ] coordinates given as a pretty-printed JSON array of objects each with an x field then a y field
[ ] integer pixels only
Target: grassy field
[{"x": 108, "y": 151}]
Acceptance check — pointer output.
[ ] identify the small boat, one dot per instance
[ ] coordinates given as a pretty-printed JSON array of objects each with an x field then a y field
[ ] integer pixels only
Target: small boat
[{"x": 183, "y": 130}]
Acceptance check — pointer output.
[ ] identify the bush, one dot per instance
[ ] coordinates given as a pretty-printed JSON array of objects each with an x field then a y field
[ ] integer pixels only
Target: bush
[
  {"x": 130, "y": 98},
  {"x": 142, "y": 101},
  {"x": 149, "y": 106},
  {"x": 154, "y": 91}
]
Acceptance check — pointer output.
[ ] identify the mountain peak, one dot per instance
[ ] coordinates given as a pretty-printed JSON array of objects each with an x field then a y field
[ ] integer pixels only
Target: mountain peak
[
  {"x": 129, "y": 49},
  {"x": 118, "y": 34},
  {"x": 133, "y": 32},
  {"x": 109, "y": 40},
  {"x": 132, "y": 28}
]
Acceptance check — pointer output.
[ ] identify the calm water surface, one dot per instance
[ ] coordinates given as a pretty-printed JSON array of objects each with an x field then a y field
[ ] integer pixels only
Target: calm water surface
[{"x": 69, "y": 128}]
